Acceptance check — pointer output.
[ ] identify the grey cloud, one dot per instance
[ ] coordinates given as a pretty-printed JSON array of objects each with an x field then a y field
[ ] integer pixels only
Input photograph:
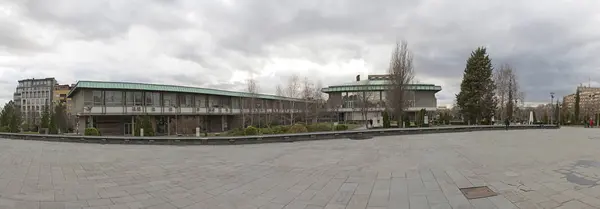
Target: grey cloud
[
  {"x": 105, "y": 19},
  {"x": 549, "y": 53}
]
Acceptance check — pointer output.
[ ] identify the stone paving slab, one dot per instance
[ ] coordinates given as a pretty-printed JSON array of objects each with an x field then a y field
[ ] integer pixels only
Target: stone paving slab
[{"x": 528, "y": 169}]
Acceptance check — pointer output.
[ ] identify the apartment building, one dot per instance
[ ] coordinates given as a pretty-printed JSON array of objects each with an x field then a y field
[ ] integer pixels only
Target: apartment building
[
  {"x": 589, "y": 100},
  {"x": 32, "y": 95}
]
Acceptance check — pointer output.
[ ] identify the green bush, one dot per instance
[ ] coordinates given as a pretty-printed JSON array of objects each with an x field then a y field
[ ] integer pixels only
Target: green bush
[
  {"x": 280, "y": 129},
  {"x": 91, "y": 132},
  {"x": 298, "y": 128},
  {"x": 266, "y": 131},
  {"x": 386, "y": 120},
  {"x": 4, "y": 129},
  {"x": 317, "y": 127},
  {"x": 251, "y": 130},
  {"x": 341, "y": 127},
  {"x": 236, "y": 132}
]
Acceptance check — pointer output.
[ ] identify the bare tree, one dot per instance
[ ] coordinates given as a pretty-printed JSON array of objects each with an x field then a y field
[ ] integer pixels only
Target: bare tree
[
  {"x": 252, "y": 88},
  {"x": 307, "y": 97},
  {"x": 507, "y": 90},
  {"x": 319, "y": 100},
  {"x": 293, "y": 91},
  {"x": 401, "y": 75},
  {"x": 364, "y": 100}
]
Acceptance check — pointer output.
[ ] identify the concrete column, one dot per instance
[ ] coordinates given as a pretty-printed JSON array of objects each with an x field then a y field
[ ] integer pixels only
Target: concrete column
[
  {"x": 133, "y": 125},
  {"x": 81, "y": 125},
  {"x": 223, "y": 123}
]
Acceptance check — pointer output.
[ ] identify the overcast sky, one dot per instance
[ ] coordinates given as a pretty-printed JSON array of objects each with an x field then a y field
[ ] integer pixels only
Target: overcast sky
[{"x": 554, "y": 45}]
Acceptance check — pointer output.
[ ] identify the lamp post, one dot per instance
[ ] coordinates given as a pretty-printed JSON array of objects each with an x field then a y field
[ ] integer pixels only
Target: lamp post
[{"x": 552, "y": 106}]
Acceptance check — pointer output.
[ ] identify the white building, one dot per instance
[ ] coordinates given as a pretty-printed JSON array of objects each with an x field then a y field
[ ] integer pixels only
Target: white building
[{"x": 32, "y": 95}]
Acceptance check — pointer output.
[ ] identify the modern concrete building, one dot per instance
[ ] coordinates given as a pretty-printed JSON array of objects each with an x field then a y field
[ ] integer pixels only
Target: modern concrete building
[
  {"x": 346, "y": 99},
  {"x": 32, "y": 95},
  {"x": 112, "y": 107}
]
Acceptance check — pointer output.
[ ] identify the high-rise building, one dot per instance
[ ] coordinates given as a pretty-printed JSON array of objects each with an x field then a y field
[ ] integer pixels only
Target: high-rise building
[{"x": 32, "y": 95}]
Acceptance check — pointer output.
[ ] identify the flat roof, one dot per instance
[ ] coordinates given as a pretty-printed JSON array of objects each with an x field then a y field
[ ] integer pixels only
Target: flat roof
[
  {"x": 376, "y": 85},
  {"x": 168, "y": 88}
]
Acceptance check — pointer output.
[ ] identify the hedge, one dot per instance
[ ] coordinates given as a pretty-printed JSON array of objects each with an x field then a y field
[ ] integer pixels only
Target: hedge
[
  {"x": 298, "y": 128},
  {"x": 250, "y": 131},
  {"x": 91, "y": 132}
]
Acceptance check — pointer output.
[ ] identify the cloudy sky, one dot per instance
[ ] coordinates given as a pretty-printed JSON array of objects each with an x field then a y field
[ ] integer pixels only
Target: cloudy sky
[{"x": 554, "y": 45}]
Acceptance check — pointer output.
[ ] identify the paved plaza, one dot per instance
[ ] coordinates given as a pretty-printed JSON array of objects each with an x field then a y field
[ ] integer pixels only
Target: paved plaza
[{"x": 528, "y": 169}]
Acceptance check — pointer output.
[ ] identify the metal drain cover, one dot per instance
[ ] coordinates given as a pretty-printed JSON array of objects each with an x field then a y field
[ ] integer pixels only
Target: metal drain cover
[{"x": 477, "y": 192}]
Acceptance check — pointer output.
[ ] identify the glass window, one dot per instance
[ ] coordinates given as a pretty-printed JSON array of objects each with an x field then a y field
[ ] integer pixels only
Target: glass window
[
  {"x": 185, "y": 100},
  {"x": 200, "y": 100},
  {"x": 153, "y": 99},
  {"x": 138, "y": 99},
  {"x": 169, "y": 99},
  {"x": 129, "y": 98},
  {"x": 114, "y": 98},
  {"x": 97, "y": 97}
]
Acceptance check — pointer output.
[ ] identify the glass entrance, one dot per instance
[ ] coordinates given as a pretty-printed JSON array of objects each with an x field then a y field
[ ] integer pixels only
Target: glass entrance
[{"x": 127, "y": 129}]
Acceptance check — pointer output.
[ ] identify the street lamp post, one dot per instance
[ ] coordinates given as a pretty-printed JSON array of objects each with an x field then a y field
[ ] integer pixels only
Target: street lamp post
[{"x": 552, "y": 106}]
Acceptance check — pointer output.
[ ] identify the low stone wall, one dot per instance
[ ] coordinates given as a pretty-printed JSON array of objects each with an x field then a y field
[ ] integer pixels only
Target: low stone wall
[{"x": 228, "y": 140}]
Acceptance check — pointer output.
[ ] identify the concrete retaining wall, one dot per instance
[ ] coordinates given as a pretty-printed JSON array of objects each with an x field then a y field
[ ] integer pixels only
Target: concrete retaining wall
[{"x": 224, "y": 140}]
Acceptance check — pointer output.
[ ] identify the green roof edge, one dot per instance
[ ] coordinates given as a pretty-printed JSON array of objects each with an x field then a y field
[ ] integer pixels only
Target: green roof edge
[{"x": 240, "y": 94}]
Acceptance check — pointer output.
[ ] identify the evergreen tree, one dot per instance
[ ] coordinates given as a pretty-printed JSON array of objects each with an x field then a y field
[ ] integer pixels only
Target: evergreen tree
[
  {"x": 576, "y": 118},
  {"x": 10, "y": 118},
  {"x": 45, "y": 121},
  {"x": 52, "y": 128},
  {"x": 476, "y": 99}
]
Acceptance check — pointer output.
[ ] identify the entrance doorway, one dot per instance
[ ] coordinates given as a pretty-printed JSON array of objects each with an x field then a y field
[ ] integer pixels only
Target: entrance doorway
[
  {"x": 127, "y": 128},
  {"x": 161, "y": 125}
]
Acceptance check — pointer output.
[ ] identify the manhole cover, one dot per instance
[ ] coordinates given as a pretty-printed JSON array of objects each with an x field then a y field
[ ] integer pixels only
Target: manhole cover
[{"x": 477, "y": 192}]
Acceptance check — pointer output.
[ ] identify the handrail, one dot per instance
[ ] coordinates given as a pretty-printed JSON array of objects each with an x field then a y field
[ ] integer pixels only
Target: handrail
[{"x": 175, "y": 140}]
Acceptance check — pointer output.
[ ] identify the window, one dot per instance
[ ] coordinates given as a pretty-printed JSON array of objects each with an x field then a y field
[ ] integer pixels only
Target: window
[
  {"x": 129, "y": 98},
  {"x": 200, "y": 101},
  {"x": 97, "y": 97},
  {"x": 113, "y": 98},
  {"x": 169, "y": 100},
  {"x": 138, "y": 99},
  {"x": 185, "y": 100},
  {"x": 153, "y": 99}
]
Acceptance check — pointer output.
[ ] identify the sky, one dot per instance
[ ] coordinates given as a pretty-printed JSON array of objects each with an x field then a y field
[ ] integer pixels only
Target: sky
[{"x": 552, "y": 45}]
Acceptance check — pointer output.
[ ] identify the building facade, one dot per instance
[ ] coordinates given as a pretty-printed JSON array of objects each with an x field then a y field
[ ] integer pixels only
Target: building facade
[
  {"x": 112, "y": 107},
  {"x": 589, "y": 100},
  {"x": 362, "y": 99},
  {"x": 32, "y": 96}
]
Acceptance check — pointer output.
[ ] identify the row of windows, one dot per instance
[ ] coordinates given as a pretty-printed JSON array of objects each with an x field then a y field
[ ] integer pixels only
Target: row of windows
[
  {"x": 35, "y": 94},
  {"x": 157, "y": 99},
  {"x": 35, "y": 83},
  {"x": 34, "y": 101},
  {"x": 153, "y": 99}
]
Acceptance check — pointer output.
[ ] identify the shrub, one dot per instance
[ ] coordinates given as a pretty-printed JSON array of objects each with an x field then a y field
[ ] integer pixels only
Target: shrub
[
  {"x": 386, "y": 120},
  {"x": 280, "y": 129},
  {"x": 266, "y": 131},
  {"x": 341, "y": 127},
  {"x": 91, "y": 132},
  {"x": 319, "y": 127},
  {"x": 236, "y": 132},
  {"x": 251, "y": 130},
  {"x": 298, "y": 128},
  {"x": 4, "y": 129}
]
